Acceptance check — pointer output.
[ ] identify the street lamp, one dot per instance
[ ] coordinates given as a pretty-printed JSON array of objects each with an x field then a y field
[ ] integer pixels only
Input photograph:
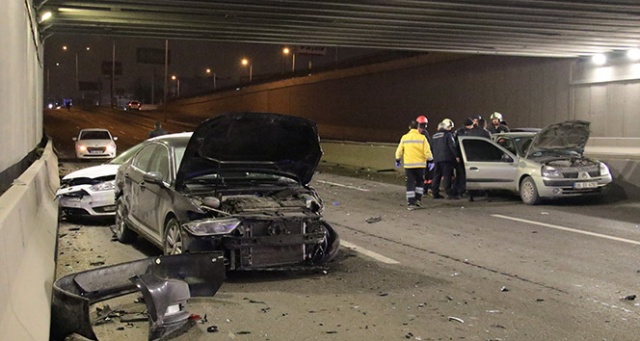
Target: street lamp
[
  {"x": 246, "y": 62},
  {"x": 208, "y": 71},
  {"x": 286, "y": 52},
  {"x": 174, "y": 78},
  {"x": 66, "y": 48}
]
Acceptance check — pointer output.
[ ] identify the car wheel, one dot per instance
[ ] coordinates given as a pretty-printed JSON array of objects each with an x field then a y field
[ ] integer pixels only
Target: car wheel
[
  {"x": 121, "y": 230},
  {"x": 529, "y": 192},
  {"x": 172, "y": 238}
]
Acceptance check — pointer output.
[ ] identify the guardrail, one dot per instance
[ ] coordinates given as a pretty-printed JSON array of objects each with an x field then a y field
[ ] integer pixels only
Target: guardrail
[{"x": 28, "y": 226}]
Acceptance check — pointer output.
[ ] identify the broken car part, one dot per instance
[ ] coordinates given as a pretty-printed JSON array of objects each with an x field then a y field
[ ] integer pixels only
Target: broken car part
[{"x": 73, "y": 294}]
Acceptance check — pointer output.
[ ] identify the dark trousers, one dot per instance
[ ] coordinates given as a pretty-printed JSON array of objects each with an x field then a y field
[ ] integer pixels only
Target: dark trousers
[
  {"x": 460, "y": 186},
  {"x": 415, "y": 181},
  {"x": 428, "y": 176},
  {"x": 443, "y": 170}
]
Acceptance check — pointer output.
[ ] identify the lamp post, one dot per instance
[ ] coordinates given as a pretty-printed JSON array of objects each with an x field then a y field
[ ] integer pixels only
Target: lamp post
[
  {"x": 286, "y": 51},
  {"x": 174, "y": 78},
  {"x": 77, "y": 76},
  {"x": 246, "y": 62},
  {"x": 208, "y": 71}
]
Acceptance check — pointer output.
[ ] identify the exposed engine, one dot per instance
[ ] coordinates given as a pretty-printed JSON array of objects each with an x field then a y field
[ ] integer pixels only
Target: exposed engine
[{"x": 573, "y": 162}]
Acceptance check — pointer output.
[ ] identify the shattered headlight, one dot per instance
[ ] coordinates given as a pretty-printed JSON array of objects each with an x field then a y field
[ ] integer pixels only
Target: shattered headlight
[
  {"x": 551, "y": 172},
  {"x": 104, "y": 186},
  {"x": 212, "y": 227}
]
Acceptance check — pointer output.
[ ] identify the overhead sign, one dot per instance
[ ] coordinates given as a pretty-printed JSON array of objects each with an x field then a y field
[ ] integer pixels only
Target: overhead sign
[
  {"x": 312, "y": 50},
  {"x": 152, "y": 56}
]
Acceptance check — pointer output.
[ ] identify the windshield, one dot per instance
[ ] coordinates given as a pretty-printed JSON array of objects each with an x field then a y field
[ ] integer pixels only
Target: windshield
[
  {"x": 522, "y": 144},
  {"x": 95, "y": 135},
  {"x": 126, "y": 155}
]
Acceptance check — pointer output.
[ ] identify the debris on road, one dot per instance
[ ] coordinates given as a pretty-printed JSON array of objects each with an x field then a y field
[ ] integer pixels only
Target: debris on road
[
  {"x": 457, "y": 319},
  {"x": 629, "y": 298},
  {"x": 504, "y": 289},
  {"x": 374, "y": 220},
  {"x": 212, "y": 329}
]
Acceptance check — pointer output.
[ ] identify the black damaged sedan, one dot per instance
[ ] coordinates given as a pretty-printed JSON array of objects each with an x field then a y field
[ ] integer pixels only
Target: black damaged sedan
[{"x": 239, "y": 184}]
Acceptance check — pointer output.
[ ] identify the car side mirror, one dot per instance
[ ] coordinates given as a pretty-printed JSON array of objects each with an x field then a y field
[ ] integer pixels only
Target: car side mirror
[
  {"x": 154, "y": 178},
  {"x": 74, "y": 138},
  {"x": 506, "y": 158},
  {"x": 115, "y": 138}
]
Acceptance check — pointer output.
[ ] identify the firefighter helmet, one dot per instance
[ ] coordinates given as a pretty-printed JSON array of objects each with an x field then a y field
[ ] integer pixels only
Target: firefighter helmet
[
  {"x": 447, "y": 124},
  {"x": 496, "y": 115},
  {"x": 422, "y": 119}
]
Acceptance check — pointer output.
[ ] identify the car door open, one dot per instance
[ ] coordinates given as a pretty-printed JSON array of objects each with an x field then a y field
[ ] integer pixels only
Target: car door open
[{"x": 488, "y": 165}]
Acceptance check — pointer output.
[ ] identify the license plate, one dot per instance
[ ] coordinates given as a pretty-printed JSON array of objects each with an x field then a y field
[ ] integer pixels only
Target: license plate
[
  {"x": 95, "y": 152},
  {"x": 590, "y": 184}
]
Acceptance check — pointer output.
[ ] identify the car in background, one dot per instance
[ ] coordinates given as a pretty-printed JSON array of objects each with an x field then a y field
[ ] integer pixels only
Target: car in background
[
  {"x": 239, "y": 184},
  {"x": 95, "y": 144},
  {"x": 549, "y": 164},
  {"x": 89, "y": 192},
  {"x": 134, "y": 105}
]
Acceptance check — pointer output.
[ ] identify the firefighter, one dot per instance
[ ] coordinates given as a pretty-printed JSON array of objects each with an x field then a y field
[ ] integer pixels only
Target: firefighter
[
  {"x": 413, "y": 151},
  {"x": 423, "y": 122},
  {"x": 445, "y": 158},
  {"x": 497, "y": 125}
]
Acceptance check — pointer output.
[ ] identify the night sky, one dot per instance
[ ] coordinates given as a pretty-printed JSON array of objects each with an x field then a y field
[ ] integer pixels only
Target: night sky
[{"x": 189, "y": 61}]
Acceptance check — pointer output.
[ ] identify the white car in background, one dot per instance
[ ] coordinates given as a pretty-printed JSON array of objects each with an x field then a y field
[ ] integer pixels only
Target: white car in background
[
  {"x": 95, "y": 144},
  {"x": 89, "y": 192},
  {"x": 548, "y": 164}
]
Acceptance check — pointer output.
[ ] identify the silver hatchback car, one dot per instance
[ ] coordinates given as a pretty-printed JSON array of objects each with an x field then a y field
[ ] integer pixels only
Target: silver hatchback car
[{"x": 545, "y": 165}]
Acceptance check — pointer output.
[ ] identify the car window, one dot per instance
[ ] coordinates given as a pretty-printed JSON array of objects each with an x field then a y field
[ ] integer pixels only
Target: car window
[
  {"x": 482, "y": 150},
  {"x": 507, "y": 143},
  {"x": 141, "y": 160},
  {"x": 160, "y": 162},
  {"x": 95, "y": 135},
  {"x": 126, "y": 155}
]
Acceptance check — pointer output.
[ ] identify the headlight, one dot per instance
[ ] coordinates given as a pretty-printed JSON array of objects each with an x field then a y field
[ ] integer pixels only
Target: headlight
[
  {"x": 82, "y": 147},
  {"x": 104, "y": 186},
  {"x": 551, "y": 172},
  {"x": 604, "y": 170},
  {"x": 212, "y": 227},
  {"x": 111, "y": 148}
]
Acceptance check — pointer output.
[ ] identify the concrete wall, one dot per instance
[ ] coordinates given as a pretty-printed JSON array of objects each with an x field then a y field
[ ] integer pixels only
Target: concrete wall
[
  {"x": 28, "y": 226},
  {"x": 20, "y": 82}
]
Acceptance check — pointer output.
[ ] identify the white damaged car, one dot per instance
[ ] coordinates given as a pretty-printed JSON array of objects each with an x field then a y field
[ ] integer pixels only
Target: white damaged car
[
  {"x": 89, "y": 192},
  {"x": 546, "y": 165}
]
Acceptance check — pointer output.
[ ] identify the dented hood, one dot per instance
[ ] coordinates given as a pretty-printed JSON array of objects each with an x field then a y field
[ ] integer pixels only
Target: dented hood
[
  {"x": 563, "y": 136},
  {"x": 106, "y": 169},
  {"x": 252, "y": 141}
]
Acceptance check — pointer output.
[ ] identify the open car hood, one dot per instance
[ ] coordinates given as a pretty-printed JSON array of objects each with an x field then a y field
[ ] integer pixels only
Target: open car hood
[
  {"x": 252, "y": 141},
  {"x": 563, "y": 136}
]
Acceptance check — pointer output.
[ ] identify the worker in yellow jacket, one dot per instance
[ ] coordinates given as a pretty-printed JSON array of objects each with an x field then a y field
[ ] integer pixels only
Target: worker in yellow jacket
[{"x": 413, "y": 151}]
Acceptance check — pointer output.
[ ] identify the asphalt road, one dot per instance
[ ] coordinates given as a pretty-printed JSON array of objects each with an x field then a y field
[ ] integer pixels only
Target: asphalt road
[{"x": 456, "y": 270}]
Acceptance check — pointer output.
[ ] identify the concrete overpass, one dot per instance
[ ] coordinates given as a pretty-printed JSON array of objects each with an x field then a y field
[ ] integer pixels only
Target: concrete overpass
[{"x": 558, "y": 84}]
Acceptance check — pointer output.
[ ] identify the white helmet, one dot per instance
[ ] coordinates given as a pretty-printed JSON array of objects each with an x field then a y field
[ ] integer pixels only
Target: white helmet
[
  {"x": 496, "y": 115},
  {"x": 446, "y": 124}
]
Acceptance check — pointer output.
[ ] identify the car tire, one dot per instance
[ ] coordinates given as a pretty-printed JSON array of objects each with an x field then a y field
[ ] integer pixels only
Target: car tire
[
  {"x": 122, "y": 232},
  {"x": 529, "y": 192},
  {"x": 172, "y": 242}
]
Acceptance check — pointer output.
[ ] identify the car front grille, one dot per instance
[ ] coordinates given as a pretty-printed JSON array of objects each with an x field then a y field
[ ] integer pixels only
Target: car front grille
[
  {"x": 96, "y": 149},
  {"x": 574, "y": 175},
  {"x": 270, "y": 243}
]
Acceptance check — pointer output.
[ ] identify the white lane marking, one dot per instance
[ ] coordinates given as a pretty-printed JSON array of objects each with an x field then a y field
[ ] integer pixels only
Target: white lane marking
[
  {"x": 341, "y": 185},
  {"x": 368, "y": 253},
  {"x": 568, "y": 229}
]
